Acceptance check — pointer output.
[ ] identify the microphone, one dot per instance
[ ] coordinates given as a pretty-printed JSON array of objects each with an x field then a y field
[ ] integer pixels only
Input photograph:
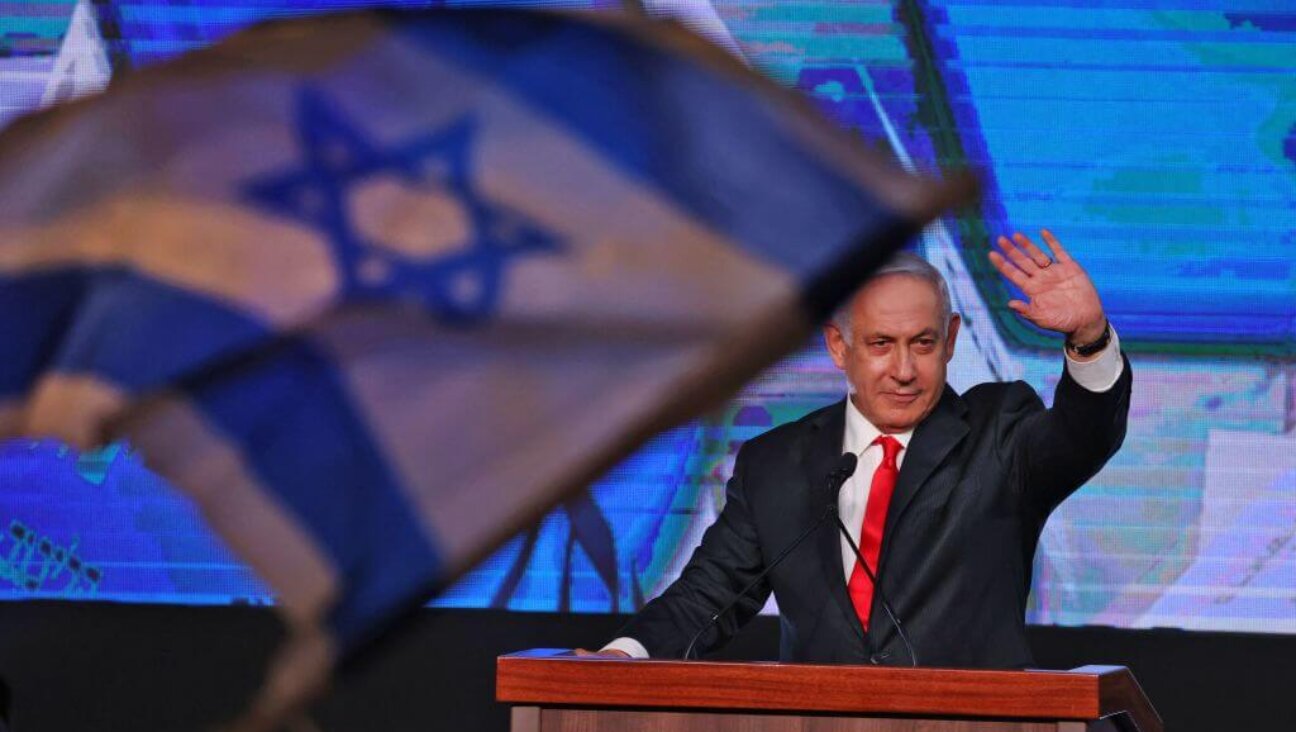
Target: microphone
[
  {"x": 859, "y": 557},
  {"x": 836, "y": 478},
  {"x": 844, "y": 469}
]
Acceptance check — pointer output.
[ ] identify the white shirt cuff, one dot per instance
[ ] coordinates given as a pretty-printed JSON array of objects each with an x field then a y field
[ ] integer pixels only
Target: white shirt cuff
[
  {"x": 1101, "y": 373},
  {"x": 629, "y": 646}
]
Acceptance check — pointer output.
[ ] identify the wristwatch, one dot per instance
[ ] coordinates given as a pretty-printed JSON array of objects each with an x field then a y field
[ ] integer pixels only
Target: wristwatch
[{"x": 1089, "y": 349}]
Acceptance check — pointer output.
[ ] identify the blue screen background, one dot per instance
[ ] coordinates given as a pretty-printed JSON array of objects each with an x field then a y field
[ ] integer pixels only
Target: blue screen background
[{"x": 1157, "y": 139}]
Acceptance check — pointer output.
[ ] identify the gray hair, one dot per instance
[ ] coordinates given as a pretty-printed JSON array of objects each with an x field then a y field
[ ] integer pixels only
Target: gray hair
[{"x": 902, "y": 263}]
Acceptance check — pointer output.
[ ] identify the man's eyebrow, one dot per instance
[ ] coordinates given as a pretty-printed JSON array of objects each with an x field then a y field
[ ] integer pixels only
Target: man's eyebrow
[{"x": 878, "y": 335}]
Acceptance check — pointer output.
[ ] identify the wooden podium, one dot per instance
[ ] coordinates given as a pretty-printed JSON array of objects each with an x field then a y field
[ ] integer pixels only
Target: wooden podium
[{"x": 554, "y": 691}]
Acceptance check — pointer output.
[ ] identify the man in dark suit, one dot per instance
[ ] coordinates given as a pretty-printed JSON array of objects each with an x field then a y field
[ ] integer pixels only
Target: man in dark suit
[{"x": 949, "y": 498}]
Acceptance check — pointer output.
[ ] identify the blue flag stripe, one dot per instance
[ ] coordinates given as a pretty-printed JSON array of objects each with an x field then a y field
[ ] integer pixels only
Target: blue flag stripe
[
  {"x": 105, "y": 319},
  {"x": 35, "y": 312},
  {"x": 286, "y": 411}
]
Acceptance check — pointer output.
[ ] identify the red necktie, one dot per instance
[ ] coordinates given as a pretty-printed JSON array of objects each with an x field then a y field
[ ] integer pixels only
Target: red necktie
[{"x": 875, "y": 513}]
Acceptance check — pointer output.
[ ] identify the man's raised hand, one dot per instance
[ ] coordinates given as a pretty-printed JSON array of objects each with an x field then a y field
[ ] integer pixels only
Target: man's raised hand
[{"x": 1061, "y": 297}]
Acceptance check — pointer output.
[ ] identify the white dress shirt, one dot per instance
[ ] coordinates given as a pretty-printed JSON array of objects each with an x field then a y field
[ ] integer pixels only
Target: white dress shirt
[
  {"x": 1097, "y": 375},
  {"x": 853, "y": 498}
]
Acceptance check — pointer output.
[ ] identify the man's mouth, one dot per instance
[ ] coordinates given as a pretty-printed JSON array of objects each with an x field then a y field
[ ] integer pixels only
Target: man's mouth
[{"x": 903, "y": 398}]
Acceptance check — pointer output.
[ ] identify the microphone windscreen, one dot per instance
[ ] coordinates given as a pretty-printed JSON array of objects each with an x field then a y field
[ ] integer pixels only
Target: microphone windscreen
[{"x": 846, "y": 465}]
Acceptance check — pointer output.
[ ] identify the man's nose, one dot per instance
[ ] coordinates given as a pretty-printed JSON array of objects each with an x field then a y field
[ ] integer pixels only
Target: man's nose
[{"x": 903, "y": 369}]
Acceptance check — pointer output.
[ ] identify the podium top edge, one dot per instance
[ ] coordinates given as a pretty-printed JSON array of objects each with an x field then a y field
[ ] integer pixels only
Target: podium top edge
[{"x": 568, "y": 655}]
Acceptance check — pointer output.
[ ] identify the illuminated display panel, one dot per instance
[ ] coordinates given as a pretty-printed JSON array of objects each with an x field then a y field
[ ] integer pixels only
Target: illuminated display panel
[{"x": 1158, "y": 140}]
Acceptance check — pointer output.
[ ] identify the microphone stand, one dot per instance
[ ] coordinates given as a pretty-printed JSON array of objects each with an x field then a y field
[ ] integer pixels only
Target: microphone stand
[
  {"x": 844, "y": 469},
  {"x": 688, "y": 651},
  {"x": 886, "y": 606}
]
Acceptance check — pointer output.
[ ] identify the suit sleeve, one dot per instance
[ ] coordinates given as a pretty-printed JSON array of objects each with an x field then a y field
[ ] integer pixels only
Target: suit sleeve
[
  {"x": 1058, "y": 449},
  {"x": 726, "y": 561}
]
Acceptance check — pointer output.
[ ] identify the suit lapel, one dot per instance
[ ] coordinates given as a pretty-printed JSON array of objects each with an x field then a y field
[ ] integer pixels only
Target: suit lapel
[
  {"x": 932, "y": 441},
  {"x": 822, "y": 450}
]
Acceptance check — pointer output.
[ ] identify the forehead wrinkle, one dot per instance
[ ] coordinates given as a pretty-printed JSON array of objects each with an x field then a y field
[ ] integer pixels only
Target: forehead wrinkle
[
  {"x": 879, "y": 333},
  {"x": 895, "y": 323}
]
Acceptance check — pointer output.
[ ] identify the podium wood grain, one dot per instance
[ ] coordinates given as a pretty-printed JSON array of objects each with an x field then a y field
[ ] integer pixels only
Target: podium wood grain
[
  {"x": 573, "y": 694},
  {"x": 588, "y": 720}
]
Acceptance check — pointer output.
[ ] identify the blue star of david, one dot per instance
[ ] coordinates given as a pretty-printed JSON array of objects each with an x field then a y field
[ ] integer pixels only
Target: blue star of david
[{"x": 461, "y": 287}]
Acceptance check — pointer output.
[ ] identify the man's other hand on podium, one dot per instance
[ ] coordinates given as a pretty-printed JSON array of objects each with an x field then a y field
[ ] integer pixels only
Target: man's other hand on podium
[{"x": 604, "y": 653}]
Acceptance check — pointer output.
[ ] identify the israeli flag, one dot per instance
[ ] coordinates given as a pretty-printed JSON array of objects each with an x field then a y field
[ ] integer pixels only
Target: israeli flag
[{"x": 378, "y": 290}]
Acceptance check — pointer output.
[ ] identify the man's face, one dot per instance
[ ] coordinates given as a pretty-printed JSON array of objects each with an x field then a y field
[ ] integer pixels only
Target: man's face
[{"x": 896, "y": 358}]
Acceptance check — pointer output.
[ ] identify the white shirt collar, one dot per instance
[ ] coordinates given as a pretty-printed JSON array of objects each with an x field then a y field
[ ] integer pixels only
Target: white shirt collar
[{"x": 860, "y": 432}]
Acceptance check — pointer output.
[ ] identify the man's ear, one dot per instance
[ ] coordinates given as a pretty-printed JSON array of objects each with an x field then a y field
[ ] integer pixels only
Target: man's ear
[
  {"x": 835, "y": 342},
  {"x": 951, "y": 335}
]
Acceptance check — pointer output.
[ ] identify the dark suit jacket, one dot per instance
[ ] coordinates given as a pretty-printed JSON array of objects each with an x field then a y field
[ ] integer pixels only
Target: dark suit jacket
[{"x": 981, "y": 475}]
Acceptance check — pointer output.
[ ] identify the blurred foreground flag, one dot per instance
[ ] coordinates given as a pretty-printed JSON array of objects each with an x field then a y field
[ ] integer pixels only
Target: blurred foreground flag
[{"x": 377, "y": 290}]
